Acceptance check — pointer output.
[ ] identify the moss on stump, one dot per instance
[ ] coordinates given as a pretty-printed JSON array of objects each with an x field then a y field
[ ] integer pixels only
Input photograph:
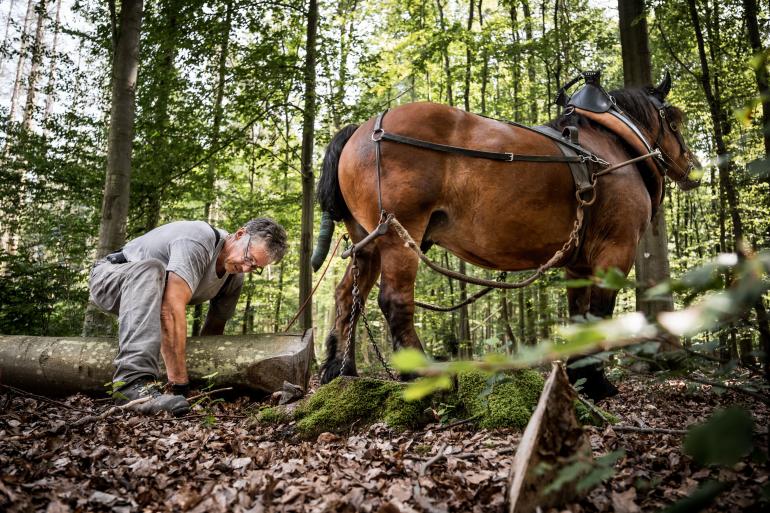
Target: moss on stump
[
  {"x": 505, "y": 403},
  {"x": 346, "y": 402}
]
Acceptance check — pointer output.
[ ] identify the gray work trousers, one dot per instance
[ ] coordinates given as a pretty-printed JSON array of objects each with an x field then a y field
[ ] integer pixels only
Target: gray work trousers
[{"x": 134, "y": 292}]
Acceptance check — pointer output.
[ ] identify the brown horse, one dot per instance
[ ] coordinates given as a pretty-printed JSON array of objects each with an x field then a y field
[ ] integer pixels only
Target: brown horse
[{"x": 508, "y": 216}]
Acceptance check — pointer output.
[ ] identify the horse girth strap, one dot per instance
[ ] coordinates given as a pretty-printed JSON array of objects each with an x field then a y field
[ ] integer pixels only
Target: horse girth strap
[{"x": 380, "y": 134}]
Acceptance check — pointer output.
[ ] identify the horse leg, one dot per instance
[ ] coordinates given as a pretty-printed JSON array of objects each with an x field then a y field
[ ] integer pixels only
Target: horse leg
[
  {"x": 368, "y": 266},
  {"x": 598, "y": 302},
  {"x": 396, "y": 298}
]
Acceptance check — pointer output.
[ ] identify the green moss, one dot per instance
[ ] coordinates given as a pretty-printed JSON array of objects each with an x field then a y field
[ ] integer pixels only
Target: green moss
[
  {"x": 510, "y": 403},
  {"x": 273, "y": 416},
  {"x": 345, "y": 402}
]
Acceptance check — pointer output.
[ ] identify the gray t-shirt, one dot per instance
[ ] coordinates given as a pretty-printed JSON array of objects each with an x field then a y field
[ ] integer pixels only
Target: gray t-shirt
[{"x": 189, "y": 250}]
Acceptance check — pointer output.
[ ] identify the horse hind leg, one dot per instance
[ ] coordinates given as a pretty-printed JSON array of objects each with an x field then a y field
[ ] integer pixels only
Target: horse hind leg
[
  {"x": 396, "y": 298},
  {"x": 367, "y": 262}
]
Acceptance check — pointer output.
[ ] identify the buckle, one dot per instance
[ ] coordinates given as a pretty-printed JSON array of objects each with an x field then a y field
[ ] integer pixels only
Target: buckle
[
  {"x": 377, "y": 134},
  {"x": 510, "y": 157}
]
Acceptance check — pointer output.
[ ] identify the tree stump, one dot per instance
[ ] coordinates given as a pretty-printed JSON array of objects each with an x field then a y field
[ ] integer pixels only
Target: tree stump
[{"x": 552, "y": 439}]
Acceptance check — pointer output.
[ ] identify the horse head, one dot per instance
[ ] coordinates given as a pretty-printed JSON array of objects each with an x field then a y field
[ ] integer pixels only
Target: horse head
[{"x": 677, "y": 160}]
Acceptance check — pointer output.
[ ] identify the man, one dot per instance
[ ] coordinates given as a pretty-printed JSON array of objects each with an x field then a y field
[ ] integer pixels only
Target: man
[{"x": 154, "y": 277}]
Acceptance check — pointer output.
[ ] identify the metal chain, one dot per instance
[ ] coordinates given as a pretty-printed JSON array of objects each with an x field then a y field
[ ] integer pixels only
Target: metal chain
[
  {"x": 376, "y": 348},
  {"x": 356, "y": 304}
]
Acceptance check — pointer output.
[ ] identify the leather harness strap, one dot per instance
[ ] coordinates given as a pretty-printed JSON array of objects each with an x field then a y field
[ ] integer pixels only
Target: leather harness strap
[{"x": 380, "y": 134}]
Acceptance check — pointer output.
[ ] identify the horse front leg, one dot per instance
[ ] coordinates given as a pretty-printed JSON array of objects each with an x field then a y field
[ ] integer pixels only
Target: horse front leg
[
  {"x": 363, "y": 271},
  {"x": 599, "y": 302}
]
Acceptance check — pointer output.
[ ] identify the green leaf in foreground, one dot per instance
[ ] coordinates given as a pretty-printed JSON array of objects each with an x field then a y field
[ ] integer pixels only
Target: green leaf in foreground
[
  {"x": 722, "y": 440},
  {"x": 426, "y": 386},
  {"x": 409, "y": 360}
]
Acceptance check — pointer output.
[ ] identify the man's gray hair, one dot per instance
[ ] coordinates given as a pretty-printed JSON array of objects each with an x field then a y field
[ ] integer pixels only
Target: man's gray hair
[{"x": 271, "y": 232}]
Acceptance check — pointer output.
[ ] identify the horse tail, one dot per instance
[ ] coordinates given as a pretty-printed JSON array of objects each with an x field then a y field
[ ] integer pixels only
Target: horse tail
[{"x": 329, "y": 196}]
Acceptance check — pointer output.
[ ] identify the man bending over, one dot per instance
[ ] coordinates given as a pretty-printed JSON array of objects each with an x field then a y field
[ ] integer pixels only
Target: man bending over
[{"x": 154, "y": 277}]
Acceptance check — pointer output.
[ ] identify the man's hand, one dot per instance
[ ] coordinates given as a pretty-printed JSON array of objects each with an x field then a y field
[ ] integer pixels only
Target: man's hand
[{"x": 173, "y": 323}]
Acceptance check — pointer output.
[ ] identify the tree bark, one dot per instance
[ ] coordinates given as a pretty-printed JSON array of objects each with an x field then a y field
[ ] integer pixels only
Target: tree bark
[
  {"x": 531, "y": 75},
  {"x": 445, "y": 54},
  {"x": 22, "y": 58},
  {"x": 651, "y": 264},
  {"x": 211, "y": 172},
  {"x": 49, "y": 96},
  {"x": 5, "y": 37},
  {"x": 112, "y": 227},
  {"x": 553, "y": 436},
  {"x": 34, "y": 70},
  {"x": 760, "y": 72},
  {"x": 58, "y": 366},
  {"x": 160, "y": 140},
  {"x": 308, "y": 188}
]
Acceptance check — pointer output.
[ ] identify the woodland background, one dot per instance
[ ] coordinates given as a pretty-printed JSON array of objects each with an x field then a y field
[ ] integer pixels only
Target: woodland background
[{"x": 228, "y": 91}]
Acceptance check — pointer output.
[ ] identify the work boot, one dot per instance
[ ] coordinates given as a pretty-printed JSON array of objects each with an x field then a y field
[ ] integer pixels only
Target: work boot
[{"x": 144, "y": 387}]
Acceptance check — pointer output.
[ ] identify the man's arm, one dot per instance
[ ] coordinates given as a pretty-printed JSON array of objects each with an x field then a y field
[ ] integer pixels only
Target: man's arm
[{"x": 173, "y": 321}]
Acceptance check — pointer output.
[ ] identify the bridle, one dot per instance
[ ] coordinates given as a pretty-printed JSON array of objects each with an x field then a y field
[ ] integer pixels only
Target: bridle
[{"x": 665, "y": 160}]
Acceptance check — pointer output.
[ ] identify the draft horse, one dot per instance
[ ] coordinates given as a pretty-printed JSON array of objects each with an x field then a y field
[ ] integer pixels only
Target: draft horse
[{"x": 509, "y": 215}]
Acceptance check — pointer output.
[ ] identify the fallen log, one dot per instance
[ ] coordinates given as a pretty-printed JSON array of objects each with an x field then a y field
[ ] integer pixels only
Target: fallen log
[
  {"x": 63, "y": 365},
  {"x": 553, "y": 439}
]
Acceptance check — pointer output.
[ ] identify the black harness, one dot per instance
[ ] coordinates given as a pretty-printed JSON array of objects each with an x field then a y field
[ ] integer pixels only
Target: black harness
[{"x": 577, "y": 157}]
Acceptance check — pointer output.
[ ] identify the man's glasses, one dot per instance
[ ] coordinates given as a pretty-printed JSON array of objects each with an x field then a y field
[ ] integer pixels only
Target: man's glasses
[{"x": 248, "y": 260}]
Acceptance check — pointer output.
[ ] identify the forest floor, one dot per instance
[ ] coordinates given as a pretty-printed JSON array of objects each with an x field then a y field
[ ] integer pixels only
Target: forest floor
[{"x": 127, "y": 462}]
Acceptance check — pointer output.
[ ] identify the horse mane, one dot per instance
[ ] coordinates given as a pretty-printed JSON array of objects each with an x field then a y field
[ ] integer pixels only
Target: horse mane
[{"x": 635, "y": 102}]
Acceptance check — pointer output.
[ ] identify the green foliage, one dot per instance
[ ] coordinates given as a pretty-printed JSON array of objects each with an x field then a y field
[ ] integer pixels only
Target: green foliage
[
  {"x": 724, "y": 439},
  {"x": 585, "y": 474}
]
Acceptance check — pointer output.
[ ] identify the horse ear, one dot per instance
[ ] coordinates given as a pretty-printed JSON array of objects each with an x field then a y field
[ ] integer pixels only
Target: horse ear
[{"x": 665, "y": 85}]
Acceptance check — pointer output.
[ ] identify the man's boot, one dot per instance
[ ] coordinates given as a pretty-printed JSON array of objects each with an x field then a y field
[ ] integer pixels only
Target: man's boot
[{"x": 177, "y": 405}]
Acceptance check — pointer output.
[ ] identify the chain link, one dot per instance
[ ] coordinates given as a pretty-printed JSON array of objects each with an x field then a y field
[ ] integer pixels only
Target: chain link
[
  {"x": 357, "y": 306},
  {"x": 380, "y": 357}
]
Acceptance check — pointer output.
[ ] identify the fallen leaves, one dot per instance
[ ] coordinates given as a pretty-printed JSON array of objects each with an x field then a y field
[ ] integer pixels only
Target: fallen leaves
[{"x": 128, "y": 462}]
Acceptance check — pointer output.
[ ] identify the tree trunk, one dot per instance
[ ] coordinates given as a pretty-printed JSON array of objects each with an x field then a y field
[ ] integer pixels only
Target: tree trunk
[
  {"x": 58, "y": 365},
  {"x": 34, "y": 70},
  {"x": 484, "y": 65},
  {"x": 49, "y": 95},
  {"x": 464, "y": 336},
  {"x": 468, "y": 57},
  {"x": 445, "y": 54},
  {"x": 22, "y": 58},
  {"x": 159, "y": 140},
  {"x": 112, "y": 227},
  {"x": 308, "y": 134},
  {"x": 652, "y": 266},
  {"x": 506, "y": 318},
  {"x": 4, "y": 48},
  {"x": 211, "y": 173},
  {"x": 532, "y": 98}
]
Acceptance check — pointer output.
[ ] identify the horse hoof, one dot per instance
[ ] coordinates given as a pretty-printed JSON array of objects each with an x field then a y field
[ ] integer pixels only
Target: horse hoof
[{"x": 333, "y": 369}]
